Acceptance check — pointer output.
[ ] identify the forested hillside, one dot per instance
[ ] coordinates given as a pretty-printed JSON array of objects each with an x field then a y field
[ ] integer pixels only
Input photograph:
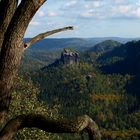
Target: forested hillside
[
  {"x": 86, "y": 86},
  {"x": 105, "y": 46}
]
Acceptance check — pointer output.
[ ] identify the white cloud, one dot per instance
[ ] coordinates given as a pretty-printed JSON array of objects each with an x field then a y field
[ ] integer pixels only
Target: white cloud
[
  {"x": 123, "y": 9},
  {"x": 71, "y": 3},
  {"x": 120, "y": 1},
  {"x": 34, "y": 23},
  {"x": 41, "y": 14},
  {"x": 51, "y": 13},
  {"x": 93, "y": 4},
  {"x": 87, "y": 14},
  {"x": 137, "y": 12}
]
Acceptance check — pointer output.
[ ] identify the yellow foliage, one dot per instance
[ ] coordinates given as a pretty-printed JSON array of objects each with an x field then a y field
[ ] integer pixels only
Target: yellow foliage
[{"x": 106, "y": 97}]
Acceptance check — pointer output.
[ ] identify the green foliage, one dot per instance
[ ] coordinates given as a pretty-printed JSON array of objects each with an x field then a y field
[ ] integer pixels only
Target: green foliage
[
  {"x": 121, "y": 135},
  {"x": 80, "y": 89},
  {"x": 105, "y": 46},
  {"x": 72, "y": 90},
  {"x": 24, "y": 101}
]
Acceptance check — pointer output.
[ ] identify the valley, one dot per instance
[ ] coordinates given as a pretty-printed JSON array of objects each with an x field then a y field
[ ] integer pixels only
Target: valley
[{"x": 102, "y": 83}]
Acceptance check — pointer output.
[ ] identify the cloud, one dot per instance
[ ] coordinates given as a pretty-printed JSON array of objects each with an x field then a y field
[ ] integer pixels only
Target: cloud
[
  {"x": 122, "y": 9},
  {"x": 120, "y": 1},
  {"x": 51, "y": 13},
  {"x": 93, "y": 4},
  {"x": 71, "y": 3},
  {"x": 137, "y": 12},
  {"x": 41, "y": 14},
  {"x": 108, "y": 9},
  {"x": 87, "y": 15},
  {"x": 35, "y": 23}
]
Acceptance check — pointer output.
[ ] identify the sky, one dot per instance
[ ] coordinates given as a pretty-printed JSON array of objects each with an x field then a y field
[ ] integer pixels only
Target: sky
[{"x": 90, "y": 18}]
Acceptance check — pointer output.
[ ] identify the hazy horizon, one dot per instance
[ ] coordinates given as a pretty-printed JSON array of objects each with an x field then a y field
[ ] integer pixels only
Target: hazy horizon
[{"x": 57, "y": 37}]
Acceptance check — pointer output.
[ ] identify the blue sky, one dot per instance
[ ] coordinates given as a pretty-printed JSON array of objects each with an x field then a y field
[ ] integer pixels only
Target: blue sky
[{"x": 91, "y": 18}]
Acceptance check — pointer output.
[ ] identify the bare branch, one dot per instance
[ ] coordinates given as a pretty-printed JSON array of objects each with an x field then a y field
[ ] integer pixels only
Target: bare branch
[
  {"x": 43, "y": 35},
  {"x": 62, "y": 126}
]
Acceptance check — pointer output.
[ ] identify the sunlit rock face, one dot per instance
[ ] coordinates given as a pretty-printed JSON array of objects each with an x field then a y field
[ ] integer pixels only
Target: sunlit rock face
[{"x": 69, "y": 57}]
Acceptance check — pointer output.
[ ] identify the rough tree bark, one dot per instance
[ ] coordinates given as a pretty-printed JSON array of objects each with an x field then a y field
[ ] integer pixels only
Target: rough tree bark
[
  {"x": 13, "y": 48},
  {"x": 62, "y": 126},
  {"x": 7, "y": 10},
  {"x": 14, "y": 21}
]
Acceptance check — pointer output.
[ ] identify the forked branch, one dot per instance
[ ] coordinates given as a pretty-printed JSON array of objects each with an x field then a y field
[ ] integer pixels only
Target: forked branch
[
  {"x": 62, "y": 126},
  {"x": 43, "y": 35}
]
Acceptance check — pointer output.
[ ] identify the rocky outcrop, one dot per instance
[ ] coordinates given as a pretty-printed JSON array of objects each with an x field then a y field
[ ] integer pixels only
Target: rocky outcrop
[{"x": 69, "y": 57}]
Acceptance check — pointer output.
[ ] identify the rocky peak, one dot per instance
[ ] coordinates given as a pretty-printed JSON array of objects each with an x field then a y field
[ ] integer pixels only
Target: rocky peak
[{"x": 69, "y": 57}]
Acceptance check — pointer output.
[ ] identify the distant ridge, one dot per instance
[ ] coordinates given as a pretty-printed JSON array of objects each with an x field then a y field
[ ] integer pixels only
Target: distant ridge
[
  {"x": 125, "y": 59},
  {"x": 77, "y": 43}
]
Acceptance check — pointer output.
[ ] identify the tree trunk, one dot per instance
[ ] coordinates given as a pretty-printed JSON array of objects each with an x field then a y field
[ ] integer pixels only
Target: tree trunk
[
  {"x": 12, "y": 50},
  {"x": 13, "y": 24}
]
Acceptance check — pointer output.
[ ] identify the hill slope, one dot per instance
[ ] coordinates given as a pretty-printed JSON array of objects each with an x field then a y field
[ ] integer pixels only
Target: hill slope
[
  {"x": 104, "y": 46},
  {"x": 127, "y": 59}
]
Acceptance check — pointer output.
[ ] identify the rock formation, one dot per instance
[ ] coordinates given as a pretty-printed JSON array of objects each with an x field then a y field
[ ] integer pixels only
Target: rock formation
[{"x": 69, "y": 57}]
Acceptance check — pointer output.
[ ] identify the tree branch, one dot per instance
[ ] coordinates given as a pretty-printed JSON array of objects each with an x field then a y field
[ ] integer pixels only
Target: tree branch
[
  {"x": 43, "y": 35},
  {"x": 7, "y": 10},
  {"x": 62, "y": 126}
]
